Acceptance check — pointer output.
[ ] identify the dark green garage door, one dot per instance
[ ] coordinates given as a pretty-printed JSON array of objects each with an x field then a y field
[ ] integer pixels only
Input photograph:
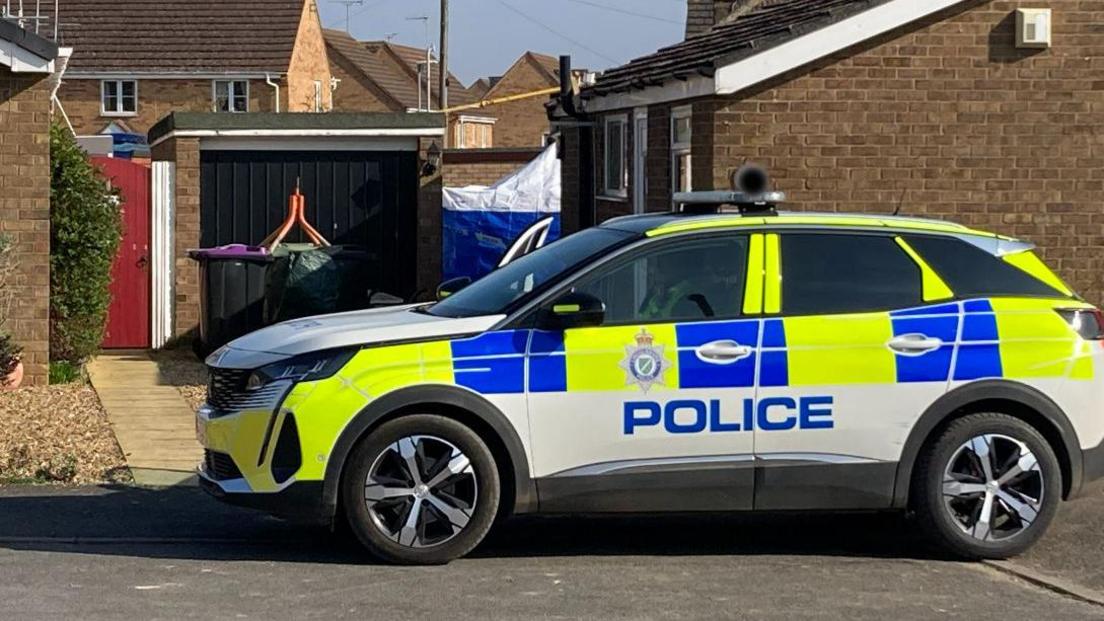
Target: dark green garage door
[{"x": 364, "y": 199}]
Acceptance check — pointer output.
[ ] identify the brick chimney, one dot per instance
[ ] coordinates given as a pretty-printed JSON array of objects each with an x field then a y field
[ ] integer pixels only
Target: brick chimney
[{"x": 701, "y": 15}]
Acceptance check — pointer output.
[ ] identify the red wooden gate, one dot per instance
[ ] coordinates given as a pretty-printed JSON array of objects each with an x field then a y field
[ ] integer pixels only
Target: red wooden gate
[{"x": 128, "y": 317}]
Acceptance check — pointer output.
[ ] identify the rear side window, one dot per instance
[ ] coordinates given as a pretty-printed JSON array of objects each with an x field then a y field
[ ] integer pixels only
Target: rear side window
[
  {"x": 831, "y": 274},
  {"x": 972, "y": 272}
]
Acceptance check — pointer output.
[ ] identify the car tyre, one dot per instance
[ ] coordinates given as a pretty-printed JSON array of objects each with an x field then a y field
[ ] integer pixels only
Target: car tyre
[
  {"x": 987, "y": 487},
  {"x": 434, "y": 516}
]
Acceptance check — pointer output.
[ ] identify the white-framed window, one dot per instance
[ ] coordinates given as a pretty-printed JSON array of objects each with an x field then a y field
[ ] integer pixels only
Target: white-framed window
[
  {"x": 681, "y": 139},
  {"x": 230, "y": 95},
  {"x": 616, "y": 174},
  {"x": 118, "y": 97}
]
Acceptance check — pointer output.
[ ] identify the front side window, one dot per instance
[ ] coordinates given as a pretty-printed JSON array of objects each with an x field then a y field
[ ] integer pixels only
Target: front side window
[
  {"x": 824, "y": 274},
  {"x": 688, "y": 281},
  {"x": 501, "y": 290},
  {"x": 972, "y": 272},
  {"x": 681, "y": 138},
  {"x": 231, "y": 96},
  {"x": 616, "y": 175},
  {"x": 119, "y": 97}
]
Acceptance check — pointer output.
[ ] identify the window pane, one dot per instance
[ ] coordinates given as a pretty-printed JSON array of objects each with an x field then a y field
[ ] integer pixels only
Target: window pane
[
  {"x": 825, "y": 274},
  {"x": 692, "y": 281},
  {"x": 970, "y": 271},
  {"x": 129, "y": 100},
  {"x": 682, "y": 172},
  {"x": 222, "y": 96},
  {"x": 615, "y": 170},
  {"x": 110, "y": 96},
  {"x": 682, "y": 130}
]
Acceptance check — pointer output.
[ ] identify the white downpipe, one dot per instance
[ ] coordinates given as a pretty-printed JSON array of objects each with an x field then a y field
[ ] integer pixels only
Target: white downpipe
[{"x": 275, "y": 85}]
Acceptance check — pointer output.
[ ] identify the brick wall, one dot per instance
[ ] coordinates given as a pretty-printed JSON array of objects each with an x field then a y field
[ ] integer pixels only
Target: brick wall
[
  {"x": 185, "y": 153},
  {"x": 429, "y": 226},
  {"x": 309, "y": 64},
  {"x": 25, "y": 212},
  {"x": 156, "y": 99},
  {"x": 521, "y": 123},
  {"x": 464, "y": 167},
  {"x": 947, "y": 120}
]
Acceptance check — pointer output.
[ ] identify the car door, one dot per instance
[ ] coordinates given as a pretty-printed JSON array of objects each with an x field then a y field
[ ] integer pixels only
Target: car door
[
  {"x": 861, "y": 345},
  {"x": 646, "y": 411}
]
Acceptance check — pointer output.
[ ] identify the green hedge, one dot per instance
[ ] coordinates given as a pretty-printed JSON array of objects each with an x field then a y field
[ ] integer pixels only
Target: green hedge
[{"x": 85, "y": 230}]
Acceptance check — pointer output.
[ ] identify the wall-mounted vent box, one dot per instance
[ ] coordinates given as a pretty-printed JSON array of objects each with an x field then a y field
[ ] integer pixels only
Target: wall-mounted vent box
[{"x": 1033, "y": 28}]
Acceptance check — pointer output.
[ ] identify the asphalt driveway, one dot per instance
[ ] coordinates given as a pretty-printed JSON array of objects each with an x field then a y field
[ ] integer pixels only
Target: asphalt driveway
[{"x": 98, "y": 553}]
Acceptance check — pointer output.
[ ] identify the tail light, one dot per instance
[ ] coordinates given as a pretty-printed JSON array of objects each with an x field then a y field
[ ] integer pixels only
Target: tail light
[{"x": 1088, "y": 322}]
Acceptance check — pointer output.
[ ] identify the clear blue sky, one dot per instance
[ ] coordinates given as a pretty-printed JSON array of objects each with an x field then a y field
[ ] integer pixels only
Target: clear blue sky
[{"x": 487, "y": 36}]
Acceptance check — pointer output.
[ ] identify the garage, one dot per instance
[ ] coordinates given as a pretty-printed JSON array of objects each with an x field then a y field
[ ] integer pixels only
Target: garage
[{"x": 369, "y": 180}]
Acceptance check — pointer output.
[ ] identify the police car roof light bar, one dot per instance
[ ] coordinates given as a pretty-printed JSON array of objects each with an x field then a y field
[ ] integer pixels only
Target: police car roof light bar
[{"x": 717, "y": 201}]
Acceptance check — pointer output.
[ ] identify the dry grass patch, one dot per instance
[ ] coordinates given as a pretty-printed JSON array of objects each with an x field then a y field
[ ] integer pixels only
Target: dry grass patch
[{"x": 58, "y": 434}]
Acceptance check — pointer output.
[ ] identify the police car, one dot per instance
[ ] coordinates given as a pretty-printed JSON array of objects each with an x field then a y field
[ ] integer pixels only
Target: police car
[{"x": 712, "y": 359}]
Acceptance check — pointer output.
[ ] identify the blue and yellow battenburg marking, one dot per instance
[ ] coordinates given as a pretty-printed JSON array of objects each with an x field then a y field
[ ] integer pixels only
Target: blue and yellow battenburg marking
[{"x": 1005, "y": 338}]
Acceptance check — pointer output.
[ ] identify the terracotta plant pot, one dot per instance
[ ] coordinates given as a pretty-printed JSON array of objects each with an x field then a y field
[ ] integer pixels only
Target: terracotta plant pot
[{"x": 12, "y": 380}]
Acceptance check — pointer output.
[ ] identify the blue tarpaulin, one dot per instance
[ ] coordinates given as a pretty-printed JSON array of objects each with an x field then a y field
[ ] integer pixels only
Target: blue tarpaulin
[{"x": 480, "y": 222}]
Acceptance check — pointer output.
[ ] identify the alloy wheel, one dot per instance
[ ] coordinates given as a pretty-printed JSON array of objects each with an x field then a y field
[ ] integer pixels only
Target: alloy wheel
[
  {"x": 993, "y": 487},
  {"x": 421, "y": 491}
]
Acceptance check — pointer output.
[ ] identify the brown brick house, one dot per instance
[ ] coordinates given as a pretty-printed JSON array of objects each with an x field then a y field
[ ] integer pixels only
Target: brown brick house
[
  {"x": 26, "y": 65},
  {"x": 935, "y": 107},
  {"x": 522, "y": 123},
  {"x": 135, "y": 61}
]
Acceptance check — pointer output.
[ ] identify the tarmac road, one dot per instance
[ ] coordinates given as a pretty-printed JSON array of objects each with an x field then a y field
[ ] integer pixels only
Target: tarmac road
[{"x": 125, "y": 553}]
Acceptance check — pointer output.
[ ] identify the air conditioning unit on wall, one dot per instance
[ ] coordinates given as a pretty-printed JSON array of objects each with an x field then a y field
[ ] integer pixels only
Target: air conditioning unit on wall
[{"x": 1033, "y": 28}]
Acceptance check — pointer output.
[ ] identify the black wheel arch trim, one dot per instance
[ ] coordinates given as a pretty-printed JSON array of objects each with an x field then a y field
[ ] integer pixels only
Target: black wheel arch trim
[
  {"x": 988, "y": 390},
  {"x": 524, "y": 494}
]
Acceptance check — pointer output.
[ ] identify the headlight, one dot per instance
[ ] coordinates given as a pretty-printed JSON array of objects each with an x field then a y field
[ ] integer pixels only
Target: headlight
[{"x": 305, "y": 368}]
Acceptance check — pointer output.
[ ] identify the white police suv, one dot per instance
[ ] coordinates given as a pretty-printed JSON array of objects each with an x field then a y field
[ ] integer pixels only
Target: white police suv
[{"x": 746, "y": 361}]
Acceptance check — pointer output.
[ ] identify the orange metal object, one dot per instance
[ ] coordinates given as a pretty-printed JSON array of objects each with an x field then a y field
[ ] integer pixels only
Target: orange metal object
[{"x": 297, "y": 209}]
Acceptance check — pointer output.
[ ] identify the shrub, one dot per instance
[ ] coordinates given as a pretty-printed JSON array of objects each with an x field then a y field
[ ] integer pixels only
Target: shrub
[
  {"x": 62, "y": 372},
  {"x": 85, "y": 230},
  {"x": 9, "y": 355}
]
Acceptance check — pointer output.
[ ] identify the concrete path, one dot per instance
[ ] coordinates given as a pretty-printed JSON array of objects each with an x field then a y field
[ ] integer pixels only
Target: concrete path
[{"x": 154, "y": 425}]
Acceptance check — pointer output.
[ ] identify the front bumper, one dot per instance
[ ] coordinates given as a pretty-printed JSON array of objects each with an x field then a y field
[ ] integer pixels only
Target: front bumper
[{"x": 300, "y": 502}]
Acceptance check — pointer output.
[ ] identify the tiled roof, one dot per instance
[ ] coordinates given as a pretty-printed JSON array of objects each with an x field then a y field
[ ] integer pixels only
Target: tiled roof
[
  {"x": 551, "y": 64},
  {"x": 773, "y": 23},
  {"x": 10, "y": 31},
  {"x": 408, "y": 58},
  {"x": 391, "y": 80},
  {"x": 177, "y": 36}
]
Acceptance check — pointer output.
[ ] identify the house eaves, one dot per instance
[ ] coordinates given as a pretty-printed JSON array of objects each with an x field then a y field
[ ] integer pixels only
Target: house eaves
[
  {"x": 25, "y": 52},
  {"x": 753, "y": 49}
]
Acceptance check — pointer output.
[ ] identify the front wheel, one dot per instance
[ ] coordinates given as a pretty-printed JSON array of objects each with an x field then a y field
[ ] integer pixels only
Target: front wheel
[
  {"x": 987, "y": 487},
  {"x": 421, "y": 490}
]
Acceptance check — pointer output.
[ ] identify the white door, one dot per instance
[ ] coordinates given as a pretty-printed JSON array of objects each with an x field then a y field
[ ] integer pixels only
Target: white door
[{"x": 640, "y": 162}]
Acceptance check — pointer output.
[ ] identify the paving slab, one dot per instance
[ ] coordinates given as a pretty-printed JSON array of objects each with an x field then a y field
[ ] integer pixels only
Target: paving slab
[{"x": 154, "y": 425}]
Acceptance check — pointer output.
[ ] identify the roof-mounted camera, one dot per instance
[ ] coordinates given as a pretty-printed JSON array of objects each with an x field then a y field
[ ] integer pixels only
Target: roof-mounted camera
[{"x": 750, "y": 194}]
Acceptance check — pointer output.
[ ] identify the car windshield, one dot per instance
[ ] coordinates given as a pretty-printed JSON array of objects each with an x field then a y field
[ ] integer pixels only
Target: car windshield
[{"x": 498, "y": 291}]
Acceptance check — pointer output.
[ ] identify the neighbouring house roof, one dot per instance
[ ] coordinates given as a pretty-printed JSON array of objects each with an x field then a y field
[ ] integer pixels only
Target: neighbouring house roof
[
  {"x": 547, "y": 66},
  {"x": 388, "y": 78},
  {"x": 322, "y": 125},
  {"x": 408, "y": 58},
  {"x": 752, "y": 46},
  {"x": 480, "y": 87},
  {"x": 27, "y": 41},
  {"x": 728, "y": 41},
  {"x": 550, "y": 64},
  {"x": 180, "y": 36}
]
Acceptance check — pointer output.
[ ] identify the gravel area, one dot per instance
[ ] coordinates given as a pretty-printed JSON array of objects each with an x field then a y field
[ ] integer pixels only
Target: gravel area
[
  {"x": 58, "y": 434},
  {"x": 180, "y": 368}
]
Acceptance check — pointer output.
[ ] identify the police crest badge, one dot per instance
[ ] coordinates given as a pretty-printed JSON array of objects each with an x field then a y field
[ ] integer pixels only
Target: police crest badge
[{"x": 644, "y": 363}]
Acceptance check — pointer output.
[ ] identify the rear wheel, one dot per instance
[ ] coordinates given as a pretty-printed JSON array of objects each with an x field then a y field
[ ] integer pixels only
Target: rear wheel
[
  {"x": 987, "y": 487},
  {"x": 421, "y": 490}
]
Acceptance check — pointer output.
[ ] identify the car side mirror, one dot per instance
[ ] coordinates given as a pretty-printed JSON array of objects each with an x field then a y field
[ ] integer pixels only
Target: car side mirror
[
  {"x": 576, "y": 310},
  {"x": 380, "y": 299},
  {"x": 452, "y": 286}
]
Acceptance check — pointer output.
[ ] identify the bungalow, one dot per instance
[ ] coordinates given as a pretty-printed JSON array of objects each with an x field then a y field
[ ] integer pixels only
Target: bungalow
[{"x": 987, "y": 112}]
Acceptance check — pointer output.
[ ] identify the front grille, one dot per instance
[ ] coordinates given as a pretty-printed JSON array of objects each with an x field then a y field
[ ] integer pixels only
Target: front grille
[
  {"x": 226, "y": 392},
  {"x": 224, "y": 385},
  {"x": 220, "y": 466}
]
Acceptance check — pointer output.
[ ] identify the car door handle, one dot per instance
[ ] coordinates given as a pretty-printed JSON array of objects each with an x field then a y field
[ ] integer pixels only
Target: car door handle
[
  {"x": 914, "y": 344},
  {"x": 722, "y": 352}
]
